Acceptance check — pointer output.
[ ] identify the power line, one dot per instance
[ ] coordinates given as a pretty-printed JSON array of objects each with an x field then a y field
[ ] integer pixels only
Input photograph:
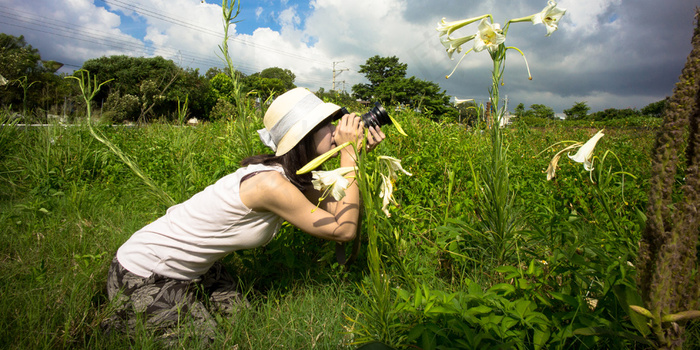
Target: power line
[
  {"x": 68, "y": 30},
  {"x": 183, "y": 23}
]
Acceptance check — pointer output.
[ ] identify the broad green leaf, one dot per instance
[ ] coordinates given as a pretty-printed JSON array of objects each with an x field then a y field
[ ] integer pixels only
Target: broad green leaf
[
  {"x": 503, "y": 287},
  {"x": 628, "y": 296}
]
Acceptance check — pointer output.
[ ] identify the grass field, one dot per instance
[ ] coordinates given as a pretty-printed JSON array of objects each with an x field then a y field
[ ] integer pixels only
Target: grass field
[{"x": 67, "y": 203}]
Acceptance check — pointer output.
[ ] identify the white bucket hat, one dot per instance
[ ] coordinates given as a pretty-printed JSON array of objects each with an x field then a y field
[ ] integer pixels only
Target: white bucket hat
[{"x": 291, "y": 116}]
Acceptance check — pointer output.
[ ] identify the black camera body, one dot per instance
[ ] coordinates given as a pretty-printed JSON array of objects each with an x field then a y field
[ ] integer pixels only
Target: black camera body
[{"x": 377, "y": 116}]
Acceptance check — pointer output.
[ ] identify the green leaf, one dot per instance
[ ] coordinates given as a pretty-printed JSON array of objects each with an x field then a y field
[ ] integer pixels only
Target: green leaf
[
  {"x": 541, "y": 337},
  {"x": 523, "y": 283},
  {"x": 568, "y": 299},
  {"x": 521, "y": 307},
  {"x": 628, "y": 296},
  {"x": 502, "y": 287},
  {"x": 602, "y": 331},
  {"x": 477, "y": 310}
]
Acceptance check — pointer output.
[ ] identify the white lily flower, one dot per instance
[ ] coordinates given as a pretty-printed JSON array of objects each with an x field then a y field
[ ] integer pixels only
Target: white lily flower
[
  {"x": 552, "y": 168},
  {"x": 585, "y": 153},
  {"x": 333, "y": 181},
  {"x": 459, "y": 101},
  {"x": 453, "y": 45},
  {"x": 549, "y": 16},
  {"x": 386, "y": 194},
  {"x": 489, "y": 36},
  {"x": 446, "y": 28},
  {"x": 394, "y": 166}
]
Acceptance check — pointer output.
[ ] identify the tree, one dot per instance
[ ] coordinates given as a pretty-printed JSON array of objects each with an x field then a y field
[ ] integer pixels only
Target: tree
[
  {"x": 158, "y": 83},
  {"x": 17, "y": 58},
  {"x": 388, "y": 84},
  {"x": 128, "y": 73},
  {"x": 520, "y": 110},
  {"x": 222, "y": 87},
  {"x": 379, "y": 70},
  {"x": 578, "y": 111},
  {"x": 540, "y": 111},
  {"x": 655, "y": 109},
  {"x": 21, "y": 66},
  {"x": 614, "y": 113},
  {"x": 284, "y": 75}
]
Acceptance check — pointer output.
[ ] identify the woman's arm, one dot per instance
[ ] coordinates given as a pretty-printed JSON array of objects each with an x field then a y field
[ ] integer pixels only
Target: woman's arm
[{"x": 270, "y": 191}]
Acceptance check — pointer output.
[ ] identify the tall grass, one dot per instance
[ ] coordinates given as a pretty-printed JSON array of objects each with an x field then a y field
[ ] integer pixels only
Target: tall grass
[{"x": 68, "y": 203}]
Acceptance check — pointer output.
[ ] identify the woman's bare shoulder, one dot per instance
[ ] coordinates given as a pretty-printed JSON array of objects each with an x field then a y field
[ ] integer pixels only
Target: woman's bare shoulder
[{"x": 258, "y": 191}]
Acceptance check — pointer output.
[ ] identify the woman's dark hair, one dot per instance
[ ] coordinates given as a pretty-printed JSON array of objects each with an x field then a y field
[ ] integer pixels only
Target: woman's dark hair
[{"x": 295, "y": 159}]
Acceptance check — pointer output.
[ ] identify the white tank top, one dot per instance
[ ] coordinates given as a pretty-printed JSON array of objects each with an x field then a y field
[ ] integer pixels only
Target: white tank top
[{"x": 186, "y": 241}]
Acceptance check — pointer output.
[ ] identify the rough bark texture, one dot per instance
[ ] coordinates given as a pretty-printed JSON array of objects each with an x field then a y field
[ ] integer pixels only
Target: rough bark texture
[{"x": 667, "y": 251}]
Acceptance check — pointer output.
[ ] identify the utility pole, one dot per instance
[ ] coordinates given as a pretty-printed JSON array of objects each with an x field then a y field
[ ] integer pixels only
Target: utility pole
[{"x": 338, "y": 72}]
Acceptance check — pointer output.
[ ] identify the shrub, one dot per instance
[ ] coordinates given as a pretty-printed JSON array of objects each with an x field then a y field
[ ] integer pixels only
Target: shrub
[{"x": 222, "y": 110}]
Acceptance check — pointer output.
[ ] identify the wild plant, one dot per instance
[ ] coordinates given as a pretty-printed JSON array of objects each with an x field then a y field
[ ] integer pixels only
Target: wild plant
[
  {"x": 378, "y": 319},
  {"x": 668, "y": 276},
  {"x": 498, "y": 215},
  {"x": 24, "y": 83},
  {"x": 241, "y": 125},
  {"x": 88, "y": 88}
]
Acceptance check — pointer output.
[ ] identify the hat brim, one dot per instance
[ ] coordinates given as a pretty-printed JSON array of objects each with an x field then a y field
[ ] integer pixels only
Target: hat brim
[{"x": 299, "y": 130}]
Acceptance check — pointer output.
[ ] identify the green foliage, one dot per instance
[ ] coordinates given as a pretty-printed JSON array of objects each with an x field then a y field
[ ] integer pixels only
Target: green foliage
[
  {"x": 655, "y": 109},
  {"x": 520, "y": 110},
  {"x": 614, "y": 113},
  {"x": 31, "y": 82},
  {"x": 388, "y": 84},
  {"x": 69, "y": 201},
  {"x": 17, "y": 58},
  {"x": 341, "y": 98},
  {"x": 540, "y": 111},
  {"x": 264, "y": 88},
  {"x": 377, "y": 70},
  {"x": 578, "y": 111},
  {"x": 223, "y": 110},
  {"x": 157, "y": 82},
  {"x": 470, "y": 113},
  {"x": 222, "y": 87},
  {"x": 118, "y": 108}
]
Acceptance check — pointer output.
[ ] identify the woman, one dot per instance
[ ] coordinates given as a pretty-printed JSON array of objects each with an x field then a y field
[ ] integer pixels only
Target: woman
[{"x": 166, "y": 269}]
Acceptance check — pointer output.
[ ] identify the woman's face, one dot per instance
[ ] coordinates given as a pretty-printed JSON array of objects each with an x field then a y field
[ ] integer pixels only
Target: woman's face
[{"x": 324, "y": 139}]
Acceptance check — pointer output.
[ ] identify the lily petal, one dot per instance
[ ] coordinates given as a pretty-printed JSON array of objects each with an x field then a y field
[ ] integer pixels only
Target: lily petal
[
  {"x": 552, "y": 168},
  {"x": 314, "y": 163},
  {"x": 489, "y": 36},
  {"x": 585, "y": 153},
  {"x": 394, "y": 166},
  {"x": 549, "y": 16},
  {"x": 446, "y": 28},
  {"x": 333, "y": 181},
  {"x": 459, "y": 101},
  {"x": 455, "y": 45},
  {"x": 386, "y": 194}
]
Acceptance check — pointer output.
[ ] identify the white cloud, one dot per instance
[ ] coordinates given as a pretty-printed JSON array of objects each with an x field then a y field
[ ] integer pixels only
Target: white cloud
[
  {"x": 605, "y": 50},
  {"x": 585, "y": 16},
  {"x": 288, "y": 18}
]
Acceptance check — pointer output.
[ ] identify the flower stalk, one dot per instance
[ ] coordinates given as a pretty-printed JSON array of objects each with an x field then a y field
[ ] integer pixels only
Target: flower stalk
[{"x": 667, "y": 263}]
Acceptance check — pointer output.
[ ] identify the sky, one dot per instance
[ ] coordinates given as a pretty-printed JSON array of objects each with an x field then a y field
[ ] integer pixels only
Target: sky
[{"x": 606, "y": 53}]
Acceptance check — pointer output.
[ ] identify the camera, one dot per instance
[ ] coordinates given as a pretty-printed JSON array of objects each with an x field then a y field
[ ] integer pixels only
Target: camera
[{"x": 377, "y": 116}]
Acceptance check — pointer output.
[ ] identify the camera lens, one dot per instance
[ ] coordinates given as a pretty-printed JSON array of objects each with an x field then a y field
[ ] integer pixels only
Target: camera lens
[{"x": 377, "y": 116}]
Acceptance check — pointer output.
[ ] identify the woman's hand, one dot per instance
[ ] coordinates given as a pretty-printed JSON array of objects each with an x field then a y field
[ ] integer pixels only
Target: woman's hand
[
  {"x": 374, "y": 137},
  {"x": 349, "y": 129}
]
